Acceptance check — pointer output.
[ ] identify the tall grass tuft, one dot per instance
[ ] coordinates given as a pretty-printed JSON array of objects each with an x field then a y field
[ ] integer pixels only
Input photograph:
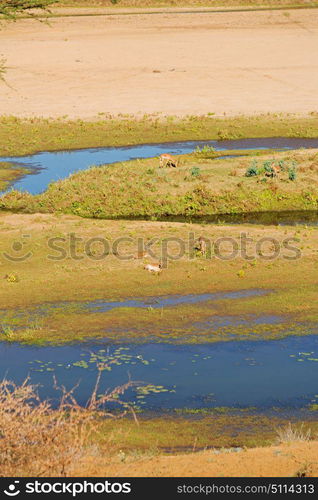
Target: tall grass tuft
[{"x": 290, "y": 434}]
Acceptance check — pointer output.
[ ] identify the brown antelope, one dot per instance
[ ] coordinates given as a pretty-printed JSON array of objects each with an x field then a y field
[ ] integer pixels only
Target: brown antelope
[
  {"x": 274, "y": 171},
  {"x": 166, "y": 160},
  {"x": 201, "y": 245},
  {"x": 153, "y": 268}
]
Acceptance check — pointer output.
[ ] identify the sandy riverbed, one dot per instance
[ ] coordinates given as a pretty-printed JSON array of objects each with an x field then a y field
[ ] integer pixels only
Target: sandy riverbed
[{"x": 171, "y": 63}]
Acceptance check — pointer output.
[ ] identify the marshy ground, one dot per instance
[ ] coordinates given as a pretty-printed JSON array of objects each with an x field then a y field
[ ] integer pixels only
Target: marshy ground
[{"x": 41, "y": 264}]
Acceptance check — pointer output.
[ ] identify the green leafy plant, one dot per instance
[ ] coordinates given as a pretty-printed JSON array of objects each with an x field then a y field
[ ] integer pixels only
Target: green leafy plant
[
  {"x": 195, "y": 172},
  {"x": 267, "y": 167},
  {"x": 292, "y": 173},
  {"x": 252, "y": 170},
  {"x": 205, "y": 152}
]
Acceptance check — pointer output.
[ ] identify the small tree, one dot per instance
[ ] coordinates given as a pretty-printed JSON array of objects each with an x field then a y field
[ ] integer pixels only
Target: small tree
[{"x": 10, "y": 8}]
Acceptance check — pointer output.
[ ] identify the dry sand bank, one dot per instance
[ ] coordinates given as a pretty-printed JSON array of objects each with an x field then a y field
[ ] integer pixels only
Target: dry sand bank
[{"x": 230, "y": 63}]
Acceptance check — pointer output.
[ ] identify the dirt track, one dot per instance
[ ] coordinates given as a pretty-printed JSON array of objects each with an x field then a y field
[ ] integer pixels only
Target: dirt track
[{"x": 175, "y": 64}]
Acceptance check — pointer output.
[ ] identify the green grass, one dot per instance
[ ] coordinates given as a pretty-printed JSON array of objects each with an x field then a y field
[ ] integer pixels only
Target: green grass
[
  {"x": 10, "y": 173},
  {"x": 28, "y": 317},
  {"x": 27, "y": 136},
  {"x": 173, "y": 434},
  {"x": 201, "y": 185}
]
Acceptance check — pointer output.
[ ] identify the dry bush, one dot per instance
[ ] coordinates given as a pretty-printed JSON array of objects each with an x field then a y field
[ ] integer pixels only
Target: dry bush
[
  {"x": 37, "y": 440},
  {"x": 290, "y": 434}
]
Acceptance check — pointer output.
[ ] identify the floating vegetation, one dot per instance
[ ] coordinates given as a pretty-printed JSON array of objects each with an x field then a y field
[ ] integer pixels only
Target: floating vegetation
[
  {"x": 304, "y": 356},
  {"x": 101, "y": 360}
]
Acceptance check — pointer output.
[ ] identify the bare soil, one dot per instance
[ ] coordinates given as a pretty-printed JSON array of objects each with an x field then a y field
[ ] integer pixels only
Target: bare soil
[
  {"x": 236, "y": 62},
  {"x": 286, "y": 460}
]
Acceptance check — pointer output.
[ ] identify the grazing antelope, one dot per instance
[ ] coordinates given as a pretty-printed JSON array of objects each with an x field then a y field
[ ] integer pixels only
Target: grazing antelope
[
  {"x": 201, "y": 245},
  {"x": 166, "y": 160},
  {"x": 274, "y": 171},
  {"x": 153, "y": 268}
]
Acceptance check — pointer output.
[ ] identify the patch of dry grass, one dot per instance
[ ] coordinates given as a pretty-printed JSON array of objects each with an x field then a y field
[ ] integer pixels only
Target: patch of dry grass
[
  {"x": 37, "y": 440},
  {"x": 293, "y": 433}
]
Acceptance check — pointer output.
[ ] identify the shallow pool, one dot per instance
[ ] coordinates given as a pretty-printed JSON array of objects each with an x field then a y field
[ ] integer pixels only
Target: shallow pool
[{"x": 261, "y": 374}]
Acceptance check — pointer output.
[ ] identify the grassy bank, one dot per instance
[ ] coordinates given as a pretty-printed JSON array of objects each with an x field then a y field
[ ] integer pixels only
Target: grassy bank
[
  {"x": 41, "y": 267},
  {"x": 201, "y": 185},
  {"x": 10, "y": 173},
  {"x": 26, "y": 136}
]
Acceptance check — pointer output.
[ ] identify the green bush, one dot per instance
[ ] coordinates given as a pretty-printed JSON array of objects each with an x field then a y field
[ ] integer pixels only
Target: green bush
[
  {"x": 195, "y": 172},
  {"x": 205, "y": 152},
  {"x": 252, "y": 171},
  {"x": 292, "y": 174}
]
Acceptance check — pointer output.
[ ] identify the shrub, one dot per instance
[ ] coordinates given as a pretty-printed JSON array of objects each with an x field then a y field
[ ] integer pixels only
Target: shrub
[
  {"x": 195, "y": 172},
  {"x": 205, "y": 152},
  {"x": 267, "y": 167},
  {"x": 36, "y": 439},
  {"x": 252, "y": 170},
  {"x": 292, "y": 174}
]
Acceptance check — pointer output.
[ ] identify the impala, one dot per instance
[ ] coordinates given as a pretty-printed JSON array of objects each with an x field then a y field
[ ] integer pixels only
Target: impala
[
  {"x": 166, "y": 160},
  {"x": 201, "y": 245},
  {"x": 153, "y": 268}
]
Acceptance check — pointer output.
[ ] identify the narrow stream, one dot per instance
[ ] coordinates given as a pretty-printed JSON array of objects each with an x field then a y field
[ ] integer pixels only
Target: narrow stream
[{"x": 47, "y": 167}]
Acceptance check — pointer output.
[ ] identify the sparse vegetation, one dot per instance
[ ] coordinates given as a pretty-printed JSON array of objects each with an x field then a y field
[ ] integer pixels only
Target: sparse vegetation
[
  {"x": 293, "y": 433},
  {"x": 272, "y": 167},
  {"x": 9, "y": 9},
  {"x": 3, "y": 68}
]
